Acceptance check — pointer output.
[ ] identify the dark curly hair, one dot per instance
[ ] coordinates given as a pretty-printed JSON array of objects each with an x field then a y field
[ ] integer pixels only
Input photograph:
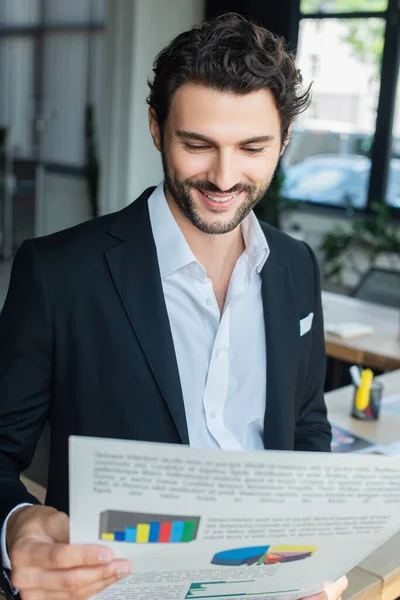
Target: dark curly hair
[{"x": 229, "y": 54}]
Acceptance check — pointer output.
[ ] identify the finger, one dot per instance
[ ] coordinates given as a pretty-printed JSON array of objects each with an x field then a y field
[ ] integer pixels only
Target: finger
[
  {"x": 69, "y": 579},
  {"x": 332, "y": 591},
  {"x": 82, "y": 594},
  {"x": 335, "y": 590},
  {"x": 43, "y": 595},
  {"x": 45, "y": 555},
  {"x": 98, "y": 587}
]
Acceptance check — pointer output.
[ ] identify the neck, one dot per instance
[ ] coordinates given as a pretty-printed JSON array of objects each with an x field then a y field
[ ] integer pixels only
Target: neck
[{"x": 217, "y": 253}]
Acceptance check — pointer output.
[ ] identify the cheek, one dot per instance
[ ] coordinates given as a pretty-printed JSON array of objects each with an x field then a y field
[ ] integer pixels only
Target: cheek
[
  {"x": 260, "y": 170},
  {"x": 188, "y": 165}
]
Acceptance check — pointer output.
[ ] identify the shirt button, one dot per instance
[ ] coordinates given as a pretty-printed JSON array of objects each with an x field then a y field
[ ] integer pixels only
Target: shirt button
[
  {"x": 209, "y": 302},
  {"x": 213, "y": 414}
]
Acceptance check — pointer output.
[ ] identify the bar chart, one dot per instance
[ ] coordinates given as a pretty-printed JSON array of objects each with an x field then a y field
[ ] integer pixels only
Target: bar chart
[{"x": 145, "y": 528}]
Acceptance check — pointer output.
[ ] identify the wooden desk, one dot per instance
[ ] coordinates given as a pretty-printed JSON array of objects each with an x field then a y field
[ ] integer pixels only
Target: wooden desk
[
  {"x": 380, "y": 350},
  {"x": 378, "y": 576}
]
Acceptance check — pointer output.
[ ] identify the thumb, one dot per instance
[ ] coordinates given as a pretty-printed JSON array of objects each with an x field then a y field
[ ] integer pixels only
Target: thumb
[{"x": 335, "y": 590}]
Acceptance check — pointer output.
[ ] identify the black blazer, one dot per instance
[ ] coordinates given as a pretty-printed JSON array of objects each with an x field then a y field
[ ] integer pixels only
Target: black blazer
[{"x": 85, "y": 342}]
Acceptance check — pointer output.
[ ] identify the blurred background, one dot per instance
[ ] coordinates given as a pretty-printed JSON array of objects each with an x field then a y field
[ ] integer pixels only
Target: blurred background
[
  {"x": 74, "y": 139},
  {"x": 74, "y": 142}
]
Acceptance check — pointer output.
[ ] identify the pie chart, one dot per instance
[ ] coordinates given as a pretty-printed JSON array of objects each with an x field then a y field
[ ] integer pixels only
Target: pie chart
[{"x": 262, "y": 555}]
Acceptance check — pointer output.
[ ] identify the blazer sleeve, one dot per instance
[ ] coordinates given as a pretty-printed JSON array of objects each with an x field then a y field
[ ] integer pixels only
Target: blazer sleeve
[
  {"x": 313, "y": 431},
  {"x": 26, "y": 342}
]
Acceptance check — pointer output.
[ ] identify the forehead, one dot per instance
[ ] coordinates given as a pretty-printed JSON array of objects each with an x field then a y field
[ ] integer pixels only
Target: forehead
[{"x": 224, "y": 116}]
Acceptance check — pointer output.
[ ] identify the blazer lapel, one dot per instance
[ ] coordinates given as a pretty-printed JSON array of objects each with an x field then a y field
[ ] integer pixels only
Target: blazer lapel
[
  {"x": 134, "y": 268},
  {"x": 282, "y": 343}
]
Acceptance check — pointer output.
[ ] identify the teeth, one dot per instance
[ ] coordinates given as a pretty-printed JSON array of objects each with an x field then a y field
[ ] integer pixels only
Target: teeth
[{"x": 214, "y": 199}]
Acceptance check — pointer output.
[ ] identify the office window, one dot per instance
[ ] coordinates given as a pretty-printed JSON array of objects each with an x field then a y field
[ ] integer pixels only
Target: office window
[
  {"x": 331, "y": 159},
  {"x": 74, "y": 11},
  {"x": 342, "y": 6},
  {"x": 19, "y": 12},
  {"x": 65, "y": 62},
  {"x": 16, "y": 98},
  {"x": 393, "y": 192},
  {"x": 328, "y": 161},
  {"x": 51, "y": 68}
]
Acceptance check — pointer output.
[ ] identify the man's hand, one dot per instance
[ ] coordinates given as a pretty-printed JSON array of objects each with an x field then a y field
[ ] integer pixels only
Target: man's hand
[
  {"x": 333, "y": 591},
  {"x": 46, "y": 567}
]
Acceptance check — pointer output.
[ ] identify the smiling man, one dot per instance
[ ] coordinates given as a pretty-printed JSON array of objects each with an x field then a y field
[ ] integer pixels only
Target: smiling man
[{"x": 180, "y": 319}]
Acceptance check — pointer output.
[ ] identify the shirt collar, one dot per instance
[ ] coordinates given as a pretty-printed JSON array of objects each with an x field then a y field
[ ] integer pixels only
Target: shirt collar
[
  {"x": 174, "y": 252},
  {"x": 257, "y": 248}
]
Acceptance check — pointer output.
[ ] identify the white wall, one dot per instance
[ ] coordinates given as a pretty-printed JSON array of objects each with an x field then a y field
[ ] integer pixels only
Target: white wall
[
  {"x": 136, "y": 31},
  {"x": 156, "y": 23}
]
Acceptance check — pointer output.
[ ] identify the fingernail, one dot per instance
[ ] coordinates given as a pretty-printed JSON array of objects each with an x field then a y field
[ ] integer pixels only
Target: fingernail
[
  {"x": 105, "y": 556},
  {"x": 123, "y": 570}
]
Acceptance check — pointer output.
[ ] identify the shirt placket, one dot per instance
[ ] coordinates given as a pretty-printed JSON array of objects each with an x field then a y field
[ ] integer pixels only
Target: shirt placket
[{"x": 216, "y": 390}]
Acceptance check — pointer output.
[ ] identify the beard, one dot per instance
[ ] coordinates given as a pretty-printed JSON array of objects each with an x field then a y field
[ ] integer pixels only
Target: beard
[{"x": 181, "y": 192}]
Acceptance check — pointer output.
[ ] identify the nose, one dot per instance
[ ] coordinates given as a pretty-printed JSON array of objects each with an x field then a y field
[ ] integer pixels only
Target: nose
[{"x": 223, "y": 172}]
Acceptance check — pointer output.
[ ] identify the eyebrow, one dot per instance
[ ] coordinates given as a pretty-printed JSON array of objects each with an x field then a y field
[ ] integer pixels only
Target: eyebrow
[{"x": 192, "y": 135}]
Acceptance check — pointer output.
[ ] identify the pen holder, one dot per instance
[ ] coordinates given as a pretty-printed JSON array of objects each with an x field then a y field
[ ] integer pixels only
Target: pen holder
[{"x": 371, "y": 412}]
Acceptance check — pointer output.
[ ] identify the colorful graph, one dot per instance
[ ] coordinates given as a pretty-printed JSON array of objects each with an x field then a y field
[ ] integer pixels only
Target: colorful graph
[
  {"x": 222, "y": 589},
  {"x": 262, "y": 555},
  {"x": 144, "y": 528}
]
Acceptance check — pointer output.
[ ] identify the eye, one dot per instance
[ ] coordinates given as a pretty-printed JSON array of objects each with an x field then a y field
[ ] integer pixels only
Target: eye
[
  {"x": 254, "y": 150},
  {"x": 196, "y": 147}
]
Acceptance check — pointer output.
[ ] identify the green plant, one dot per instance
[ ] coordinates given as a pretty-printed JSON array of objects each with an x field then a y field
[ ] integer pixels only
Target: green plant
[
  {"x": 273, "y": 204},
  {"x": 374, "y": 235},
  {"x": 92, "y": 166}
]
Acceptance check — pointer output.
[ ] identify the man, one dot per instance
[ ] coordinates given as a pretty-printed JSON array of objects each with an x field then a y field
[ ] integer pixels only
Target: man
[{"x": 179, "y": 319}]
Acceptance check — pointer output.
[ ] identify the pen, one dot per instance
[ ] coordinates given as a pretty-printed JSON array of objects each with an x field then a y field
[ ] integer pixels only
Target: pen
[{"x": 355, "y": 375}]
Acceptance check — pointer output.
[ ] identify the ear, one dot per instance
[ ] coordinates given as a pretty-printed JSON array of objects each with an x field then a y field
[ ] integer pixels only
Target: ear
[
  {"x": 154, "y": 129},
  {"x": 286, "y": 140}
]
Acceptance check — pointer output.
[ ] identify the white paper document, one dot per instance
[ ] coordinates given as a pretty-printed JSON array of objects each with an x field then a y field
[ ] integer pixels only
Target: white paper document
[
  {"x": 229, "y": 525},
  {"x": 391, "y": 449},
  {"x": 349, "y": 329}
]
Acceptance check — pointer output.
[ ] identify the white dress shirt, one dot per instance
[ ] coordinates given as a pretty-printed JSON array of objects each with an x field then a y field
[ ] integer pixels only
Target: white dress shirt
[{"x": 221, "y": 358}]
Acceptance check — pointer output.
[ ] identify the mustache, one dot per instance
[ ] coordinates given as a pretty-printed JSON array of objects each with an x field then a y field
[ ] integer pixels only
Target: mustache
[{"x": 207, "y": 186}]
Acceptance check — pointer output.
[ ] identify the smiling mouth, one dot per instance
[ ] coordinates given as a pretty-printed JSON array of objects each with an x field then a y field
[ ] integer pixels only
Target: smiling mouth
[{"x": 221, "y": 198}]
